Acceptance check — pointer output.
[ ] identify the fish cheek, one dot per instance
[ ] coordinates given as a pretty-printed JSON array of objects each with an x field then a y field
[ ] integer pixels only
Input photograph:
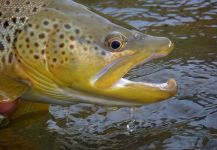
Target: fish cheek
[{"x": 60, "y": 56}]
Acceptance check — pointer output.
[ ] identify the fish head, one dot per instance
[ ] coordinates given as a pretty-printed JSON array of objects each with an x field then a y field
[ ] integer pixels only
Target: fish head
[
  {"x": 74, "y": 48},
  {"x": 125, "y": 49}
]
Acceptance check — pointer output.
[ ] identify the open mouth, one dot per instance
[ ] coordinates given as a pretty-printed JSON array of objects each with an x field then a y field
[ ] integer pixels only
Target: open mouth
[
  {"x": 170, "y": 85},
  {"x": 110, "y": 79}
]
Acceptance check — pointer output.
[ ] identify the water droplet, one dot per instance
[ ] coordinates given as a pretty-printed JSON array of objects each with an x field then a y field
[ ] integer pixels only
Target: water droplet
[
  {"x": 67, "y": 116},
  {"x": 132, "y": 124}
]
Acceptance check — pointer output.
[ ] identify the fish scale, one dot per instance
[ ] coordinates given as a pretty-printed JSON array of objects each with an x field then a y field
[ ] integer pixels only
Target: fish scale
[{"x": 13, "y": 16}]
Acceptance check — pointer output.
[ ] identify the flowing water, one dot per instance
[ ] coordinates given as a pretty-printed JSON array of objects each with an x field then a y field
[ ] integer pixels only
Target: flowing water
[{"x": 188, "y": 121}]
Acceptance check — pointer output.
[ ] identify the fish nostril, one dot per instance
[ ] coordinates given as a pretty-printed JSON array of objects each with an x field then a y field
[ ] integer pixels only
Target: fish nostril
[
  {"x": 137, "y": 36},
  {"x": 140, "y": 36}
]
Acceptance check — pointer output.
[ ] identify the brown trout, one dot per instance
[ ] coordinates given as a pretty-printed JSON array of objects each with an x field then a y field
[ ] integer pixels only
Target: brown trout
[{"x": 58, "y": 51}]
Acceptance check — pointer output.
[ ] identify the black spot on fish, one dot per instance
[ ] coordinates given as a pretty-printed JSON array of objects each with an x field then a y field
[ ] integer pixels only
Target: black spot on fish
[
  {"x": 61, "y": 36},
  {"x": 8, "y": 2},
  {"x": 17, "y": 10},
  {"x": 14, "y": 20},
  {"x": 10, "y": 57},
  {"x": 32, "y": 33},
  {"x": 36, "y": 56},
  {"x": 8, "y": 38},
  {"x": 36, "y": 44},
  {"x": 77, "y": 31},
  {"x": 63, "y": 52},
  {"x": 20, "y": 46},
  {"x": 46, "y": 23},
  {"x": 15, "y": 40},
  {"x": 17, "y": 31},
  {"x": 27, "y": 40},
  {"x": 96, "y": 48},
  {"x": 61, "y": 45},
  {"x": 67, "y": 26},
  {"x": 2, "y": 48},
  {"x": 72, "y": 38},
  {"x": 37, "y": 26},
  {"x": 6, "y": 24},
  {"x": 34, "y": 9},
  {"x": 30, "y": 25},
  {"x": 41, "y": 36},
  {"x": 23, "y": 19},
  {"x": 42, "y": 52},
  {"x": 55, "y": 25}
]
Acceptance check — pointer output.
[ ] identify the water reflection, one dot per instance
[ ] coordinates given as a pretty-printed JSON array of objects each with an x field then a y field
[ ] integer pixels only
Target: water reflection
[{"x": 187, "y": 121}]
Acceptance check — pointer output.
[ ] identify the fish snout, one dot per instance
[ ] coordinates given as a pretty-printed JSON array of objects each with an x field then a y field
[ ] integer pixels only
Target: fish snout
[
  {"x": 157, "y": 46},
  {"x": 163, "y": 46}
]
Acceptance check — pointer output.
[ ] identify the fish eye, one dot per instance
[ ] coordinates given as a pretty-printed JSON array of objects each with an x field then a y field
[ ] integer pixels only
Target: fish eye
[{"x": 115, "y": 42}]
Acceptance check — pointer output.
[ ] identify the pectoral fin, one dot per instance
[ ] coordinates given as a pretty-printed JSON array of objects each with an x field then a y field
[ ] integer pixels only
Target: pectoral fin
[
  {"x": 10, "y": 91},
  {"x": 29, "y": 108}
]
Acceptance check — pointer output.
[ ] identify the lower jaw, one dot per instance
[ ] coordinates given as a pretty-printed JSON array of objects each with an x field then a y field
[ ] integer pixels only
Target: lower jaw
[
  {"x": 123, "y": 93},
  {"x": 141, "y": 92}
]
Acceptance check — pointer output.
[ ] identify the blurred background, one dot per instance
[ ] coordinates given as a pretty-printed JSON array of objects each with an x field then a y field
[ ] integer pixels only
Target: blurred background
[{"x": 187, "y": 121}]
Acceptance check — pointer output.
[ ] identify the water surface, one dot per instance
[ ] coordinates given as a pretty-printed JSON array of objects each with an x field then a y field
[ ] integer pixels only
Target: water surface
[{"x": 187, "y": 121}]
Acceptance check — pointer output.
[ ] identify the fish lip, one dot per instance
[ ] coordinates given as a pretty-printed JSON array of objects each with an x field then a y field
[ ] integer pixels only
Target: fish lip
[{"x": 170, "y": 86}]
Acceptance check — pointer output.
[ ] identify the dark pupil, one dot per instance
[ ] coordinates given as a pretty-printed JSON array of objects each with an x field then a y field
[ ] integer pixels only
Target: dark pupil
[{"x": 115, "y": 44}]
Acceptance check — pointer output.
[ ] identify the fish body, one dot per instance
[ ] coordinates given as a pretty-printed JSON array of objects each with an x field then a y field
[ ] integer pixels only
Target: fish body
[{"x": 61, "y": 52}]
